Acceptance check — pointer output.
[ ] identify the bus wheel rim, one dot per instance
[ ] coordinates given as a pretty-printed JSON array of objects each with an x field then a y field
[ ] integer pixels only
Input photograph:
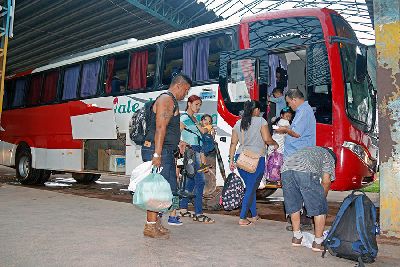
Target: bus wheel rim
[{"x": 24, "y": 166}]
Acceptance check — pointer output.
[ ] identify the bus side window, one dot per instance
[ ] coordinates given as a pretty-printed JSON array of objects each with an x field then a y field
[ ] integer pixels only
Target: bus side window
[
  {"x": 208, "y": 51},
  {"x": 20, "y": 92},
  {"x": 90, "y": 79},
  {"x": 50, "y": 83},
  {"x": 7, "y": 93},
  {"x": 174, "y": 58},
  {"x": 70, "y": 82},
  {"x": 142, "y": 69},
  {"x": 116, "y": 74},
  {"x": 35, "y": 88}
]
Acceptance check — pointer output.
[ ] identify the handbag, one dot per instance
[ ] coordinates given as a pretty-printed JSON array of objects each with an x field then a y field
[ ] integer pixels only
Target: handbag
[{"x": 247, "y": 160}]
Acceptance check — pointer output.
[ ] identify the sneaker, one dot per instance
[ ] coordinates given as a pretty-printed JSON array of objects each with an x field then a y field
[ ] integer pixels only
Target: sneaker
[
  {"x": 174, "y": 220},
  {"x": 296, "y": 242},
  {"x": 317, "y": 247},
  {"x": 203, "y": 168},
  {"x": 150, "y": 230}
]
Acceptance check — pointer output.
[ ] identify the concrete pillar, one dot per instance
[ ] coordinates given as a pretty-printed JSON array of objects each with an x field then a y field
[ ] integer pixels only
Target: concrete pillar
[{"x": 387, "y": 30}]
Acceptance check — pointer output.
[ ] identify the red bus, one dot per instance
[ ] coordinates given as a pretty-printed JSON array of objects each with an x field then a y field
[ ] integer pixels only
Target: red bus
[{"x": 72, "y": 115}]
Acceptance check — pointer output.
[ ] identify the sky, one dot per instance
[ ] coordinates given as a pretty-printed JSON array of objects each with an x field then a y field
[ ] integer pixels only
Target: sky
[{"x": 356, "y": 15}]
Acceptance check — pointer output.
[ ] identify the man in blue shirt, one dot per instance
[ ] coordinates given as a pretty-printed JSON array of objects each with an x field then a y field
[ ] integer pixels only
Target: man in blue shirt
[{"x": 302, "y": 132}]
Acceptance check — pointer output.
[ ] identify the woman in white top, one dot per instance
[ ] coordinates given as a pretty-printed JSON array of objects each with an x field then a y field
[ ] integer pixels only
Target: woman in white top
[{"x": 251, "y": 132}]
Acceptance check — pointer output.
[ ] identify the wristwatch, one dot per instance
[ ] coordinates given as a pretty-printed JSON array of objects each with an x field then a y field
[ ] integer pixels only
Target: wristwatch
[{"x": 155, "y": 155}]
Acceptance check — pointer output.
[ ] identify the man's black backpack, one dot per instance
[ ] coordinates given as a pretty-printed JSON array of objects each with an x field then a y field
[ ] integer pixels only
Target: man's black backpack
[
  {"x": 139, "y": 122},
  {"x": 233, "y": 192},
  {"x": 353, "y": 233},
  {"x": 141, "y": 119}
]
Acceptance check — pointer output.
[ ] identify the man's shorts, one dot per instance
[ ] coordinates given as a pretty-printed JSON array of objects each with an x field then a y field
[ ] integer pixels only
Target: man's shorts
[{"x": 303, "y": 187}]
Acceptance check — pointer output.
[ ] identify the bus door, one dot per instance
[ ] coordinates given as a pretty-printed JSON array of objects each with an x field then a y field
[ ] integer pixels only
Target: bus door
[{"x": 241, "y": 73}]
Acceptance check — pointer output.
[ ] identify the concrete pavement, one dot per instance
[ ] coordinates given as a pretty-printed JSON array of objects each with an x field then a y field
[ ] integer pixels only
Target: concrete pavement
[{"x": 44, "y": 228}]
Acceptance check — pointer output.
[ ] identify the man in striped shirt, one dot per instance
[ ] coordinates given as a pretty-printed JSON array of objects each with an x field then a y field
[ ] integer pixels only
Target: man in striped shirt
[{"x": 306, "y": 178}]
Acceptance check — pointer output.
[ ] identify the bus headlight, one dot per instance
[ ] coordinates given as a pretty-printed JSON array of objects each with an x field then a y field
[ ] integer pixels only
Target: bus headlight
[{"x": 362, "y": 154}]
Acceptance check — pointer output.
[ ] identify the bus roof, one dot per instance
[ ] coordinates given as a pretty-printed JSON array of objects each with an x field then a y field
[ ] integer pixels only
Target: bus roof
[
  {"x": 134, "y": 43},
  {"x": 296, "y": 12}
]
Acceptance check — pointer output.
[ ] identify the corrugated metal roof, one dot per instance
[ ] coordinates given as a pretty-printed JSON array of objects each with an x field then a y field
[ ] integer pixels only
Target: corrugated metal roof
[{"x": 48, "y": 29}]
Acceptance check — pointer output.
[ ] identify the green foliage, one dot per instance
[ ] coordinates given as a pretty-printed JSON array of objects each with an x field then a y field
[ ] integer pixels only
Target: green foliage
[{"x": 372, "y": 188}]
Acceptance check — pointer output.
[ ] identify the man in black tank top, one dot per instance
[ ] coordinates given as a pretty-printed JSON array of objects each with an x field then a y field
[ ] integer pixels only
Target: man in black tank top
[{"x": 162, "y": 140}]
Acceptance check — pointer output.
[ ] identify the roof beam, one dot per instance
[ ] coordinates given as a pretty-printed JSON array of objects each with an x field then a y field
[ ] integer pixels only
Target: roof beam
[{"x": 164, "y": 12}]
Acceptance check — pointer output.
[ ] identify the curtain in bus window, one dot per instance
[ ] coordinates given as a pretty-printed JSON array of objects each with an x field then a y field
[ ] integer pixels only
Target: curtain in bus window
[
  {"x": 5, "y": 98},
  {"x": 34, "y": 91},
  {"x": 188, "y": 57},
  {"x": 203, "y": 50},
  {"x": 248, "y": 72},
  {"x": 50, "y": 87},
  {"x": 110, "y": 72},
  {"x": 20, "y": 93},
  {"x": 138, "y": 70},
  {"x": 90, "y": 78},
  {"x": 71, "y": 78},
  {"x": 274, "y": 62}
]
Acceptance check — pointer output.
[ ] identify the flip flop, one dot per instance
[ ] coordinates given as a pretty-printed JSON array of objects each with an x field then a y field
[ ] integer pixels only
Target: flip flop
[
  {"x": 244, "y": 222},
  {"x": 203, "y": 219},
  {"x": 186, "y": 214},
  {"x": 254, "y": 219}
]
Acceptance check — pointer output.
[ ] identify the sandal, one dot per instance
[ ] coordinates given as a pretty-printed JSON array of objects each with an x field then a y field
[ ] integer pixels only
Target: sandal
[
  {"x": 254, "y": 219},
  {"x": 203, "y": 219},
  {"x": 244, "y": 222},
  {"x": 186, "y": 214}
]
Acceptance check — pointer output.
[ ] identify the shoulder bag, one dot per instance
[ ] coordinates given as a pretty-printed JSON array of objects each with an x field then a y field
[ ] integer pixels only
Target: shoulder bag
[{"x": 248, "y": 160}]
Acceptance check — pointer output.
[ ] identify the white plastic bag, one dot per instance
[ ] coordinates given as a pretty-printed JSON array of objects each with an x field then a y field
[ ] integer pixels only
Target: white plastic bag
[
  {"x": 308, "y": 238},
  {"x": 138, "y": 174}
]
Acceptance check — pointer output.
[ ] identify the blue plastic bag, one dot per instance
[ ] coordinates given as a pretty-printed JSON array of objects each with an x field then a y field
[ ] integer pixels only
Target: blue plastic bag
[{"x": 153, "y": 193}]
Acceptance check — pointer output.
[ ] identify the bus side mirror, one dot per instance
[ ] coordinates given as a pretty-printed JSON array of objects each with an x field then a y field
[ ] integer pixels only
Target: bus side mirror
[{"x": 361, "y": 65}]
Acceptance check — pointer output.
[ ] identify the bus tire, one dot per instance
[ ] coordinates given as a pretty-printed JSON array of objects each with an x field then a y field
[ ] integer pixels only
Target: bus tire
[
  {"x": 23, "y": 167},
  {"x": 85, "y": 178},
  {"x": 264, "y": 193}
]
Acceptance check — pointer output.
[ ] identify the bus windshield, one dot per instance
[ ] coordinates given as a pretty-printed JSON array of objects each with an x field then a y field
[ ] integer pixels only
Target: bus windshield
[
  {"x": 358, "y": 94},
  {"x": 285, "y": 32}
]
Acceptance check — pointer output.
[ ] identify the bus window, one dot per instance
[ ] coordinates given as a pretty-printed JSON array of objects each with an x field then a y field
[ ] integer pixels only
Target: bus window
[
  {"x": 142, "y": 69},
  {"x": 208, "y": 51},
  {"x": 285, "y": 32},
  {"x": 241, "y": 79},
  {"x": 70, "y": 82},
  {"x": 358, "y": 97},
  {"x": 90, "y": 79},
  {"x": 20, "y": 93},
  {"x": 7, "y": 93},
  {"x": 319, "y": 94},
  {"x": 196, "y": 58},
  {"x": 173, "y": 60},
  {"x": 116, "y": 73},
  {"x": 49, "y": 94},
  {"x": 35, "y": 88}
]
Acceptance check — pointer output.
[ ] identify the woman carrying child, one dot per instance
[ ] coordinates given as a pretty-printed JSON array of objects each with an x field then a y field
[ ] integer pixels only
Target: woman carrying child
[
  {"x": 191, "y": 135},
  {"x": 252, "y": 133}
]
